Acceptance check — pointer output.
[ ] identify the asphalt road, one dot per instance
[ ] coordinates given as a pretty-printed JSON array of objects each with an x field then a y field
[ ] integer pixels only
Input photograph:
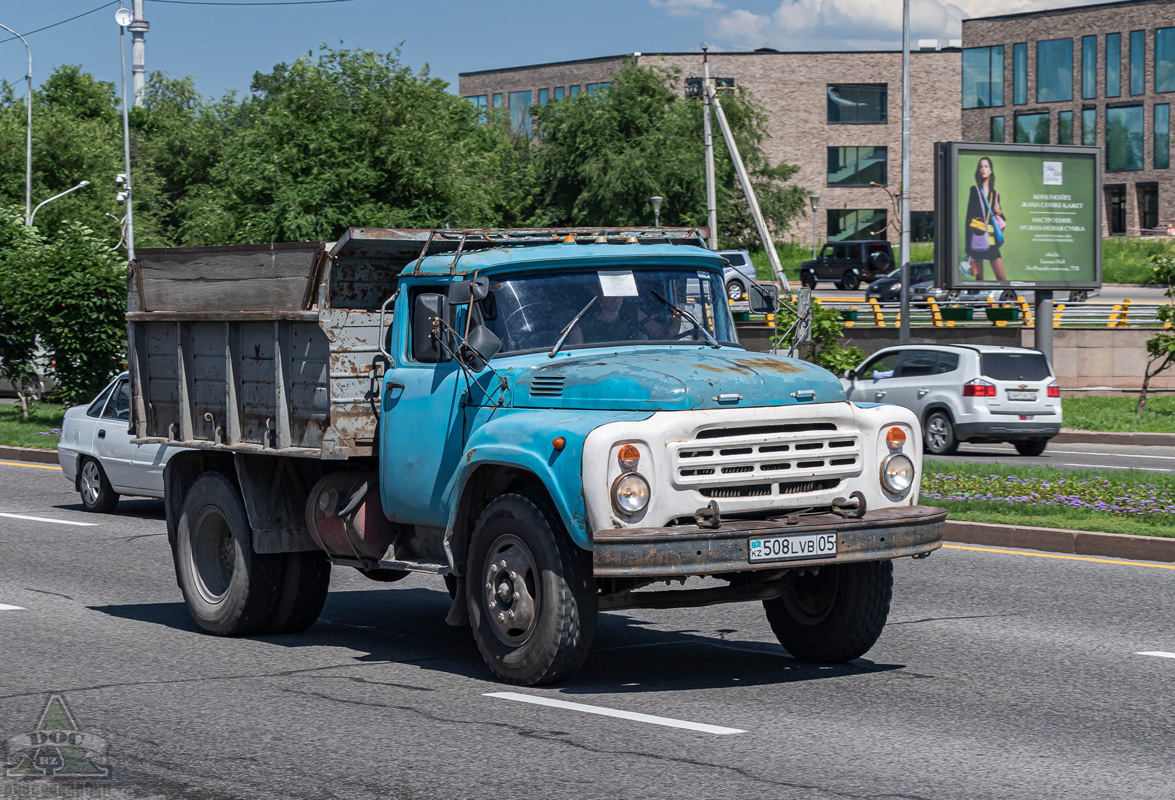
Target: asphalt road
[
  {"x": 1002, "y": 674},
  {"x": 1108, "y": 458}
]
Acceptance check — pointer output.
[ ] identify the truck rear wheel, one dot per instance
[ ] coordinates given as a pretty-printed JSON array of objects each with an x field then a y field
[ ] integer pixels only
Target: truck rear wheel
[
  {"x": 229, "y": 589},
  {"x": 835, "y": 615},
  {"x": 532, "y": 601},
  {"x": 305, "y": 580}
]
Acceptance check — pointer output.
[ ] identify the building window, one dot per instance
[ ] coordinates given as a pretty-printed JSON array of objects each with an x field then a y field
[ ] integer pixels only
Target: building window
[
  {"x": 1165, "y": 60},
  {"x": 497, "y": 101},
  {"x": 983, "y": 77},
  {"x": 1054, "y": 71},
  {"x": 857, "y": 103},
  {"x": 1088, "y": 67},
  {"x": 572, "y": 91},
  {"x": 997, "y": 129},
  {"x": 1162, "y": 136},
  {"x": 557, "y": 92},
  {"x": 1065, "y": 127},
  {"x": 592, "y": 88},
  {"x": 1123, "y": 138},
  {"x": 520, "y": 103},
  {"x": 922, "y": 226},
  {"x": 1089, "y": 127},
  {"x": 543, "y": 95},
  {"x": 1148, "y": 208},
  {"x": 1137, "y": 62},
  {"x": 693, "y": 86},
  {"x": 1031, "y": 129},
  {"x": 479, "y": 102},
  {"x": 856, "y": 223},
  {"x": 1020, "y": 74},
  {"x": 1113, "y": 65},
  {"x": 1116, "y": 208},
  {"x": 856, "y": 166}
]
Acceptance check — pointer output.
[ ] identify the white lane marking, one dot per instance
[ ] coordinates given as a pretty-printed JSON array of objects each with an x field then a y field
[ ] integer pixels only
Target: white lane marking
[
  {"x": 610, "y": 712},
  {"x": 4, "y": 607},
  {"x": 1110, "y": 466},
  {"x": 1080, "y": 453},
  {"x": 1158, "y": 653},
  {"x": 46, "y": 519}
]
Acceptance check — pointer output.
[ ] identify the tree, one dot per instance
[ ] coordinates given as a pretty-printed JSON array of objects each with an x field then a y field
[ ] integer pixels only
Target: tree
[
  {"x": 1160, "y": 347},
  {"x": 824, "y": 348},
  {"x": 18, "y": 324},
  {"x": 600, "y": 157}
]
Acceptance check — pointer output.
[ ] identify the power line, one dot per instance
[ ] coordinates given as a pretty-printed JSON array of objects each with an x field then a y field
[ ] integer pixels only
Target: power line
[
  {"x": 263, "y": 3},
  {"x": 62, "y": 22}
]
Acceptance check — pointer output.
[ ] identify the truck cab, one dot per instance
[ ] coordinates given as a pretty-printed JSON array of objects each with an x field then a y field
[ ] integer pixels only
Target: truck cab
[{"x": 554, "y": 422}]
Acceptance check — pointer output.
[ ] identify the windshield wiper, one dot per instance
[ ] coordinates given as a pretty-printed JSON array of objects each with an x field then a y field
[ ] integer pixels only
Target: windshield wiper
[
  {"x": 563, "y": 334},
  {"x": 689, "y": 318}
]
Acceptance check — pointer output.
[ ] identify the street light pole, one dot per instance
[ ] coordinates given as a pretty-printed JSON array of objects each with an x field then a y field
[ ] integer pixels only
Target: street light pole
[
  {"x": 814, "y": 199},
  {"x": 708, "y": 143},
  {"x": 30, "y": 217},
  {"x": 657, "y": 210},
  {"x": 28, "y": 159},
  {"x": 124, "y": 17},
  {"x": 904, "y": 251}
]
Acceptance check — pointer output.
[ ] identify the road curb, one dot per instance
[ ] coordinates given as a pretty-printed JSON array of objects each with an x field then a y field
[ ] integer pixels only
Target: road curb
[
  {"x": 30, "y": 454},
  {"x": 1062, "y": 540},
  {"x": 1105, "y": 437}
]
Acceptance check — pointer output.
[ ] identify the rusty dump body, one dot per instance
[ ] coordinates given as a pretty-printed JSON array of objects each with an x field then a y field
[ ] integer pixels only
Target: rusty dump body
[{"x": 275, "y": 349}]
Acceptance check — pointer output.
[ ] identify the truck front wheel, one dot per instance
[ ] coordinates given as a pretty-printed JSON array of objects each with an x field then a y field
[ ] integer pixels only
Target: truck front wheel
[
  {"x": 229, "y": 589},
  {"x": 532, "y": 600},
  {"x": 835, "y": 615}
]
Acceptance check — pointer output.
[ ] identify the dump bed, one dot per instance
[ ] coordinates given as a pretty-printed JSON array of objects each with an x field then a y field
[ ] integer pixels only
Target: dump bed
[{"x": 276, "y": 348}]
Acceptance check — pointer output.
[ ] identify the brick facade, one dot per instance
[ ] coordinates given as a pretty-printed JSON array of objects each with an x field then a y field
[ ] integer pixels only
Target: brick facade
[
  {"x": 1122, "y": 18},
  {"x": 793, "y": 89}
]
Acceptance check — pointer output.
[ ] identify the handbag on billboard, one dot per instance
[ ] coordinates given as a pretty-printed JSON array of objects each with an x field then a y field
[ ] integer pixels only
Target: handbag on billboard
[
  {"x": 979, "y": 236},
  {"x": 996, "y": 230}
]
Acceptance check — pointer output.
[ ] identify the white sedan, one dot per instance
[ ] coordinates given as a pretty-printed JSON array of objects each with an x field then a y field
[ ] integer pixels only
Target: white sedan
[{"x": 97, "y": 455}]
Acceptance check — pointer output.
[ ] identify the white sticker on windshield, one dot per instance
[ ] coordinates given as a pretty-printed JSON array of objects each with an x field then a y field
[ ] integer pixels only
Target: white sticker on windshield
[{"x": 618, "y": 284}]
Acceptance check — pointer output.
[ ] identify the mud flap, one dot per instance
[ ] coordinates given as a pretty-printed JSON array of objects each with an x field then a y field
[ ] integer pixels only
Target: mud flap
[{"x": 458, "y": 616}]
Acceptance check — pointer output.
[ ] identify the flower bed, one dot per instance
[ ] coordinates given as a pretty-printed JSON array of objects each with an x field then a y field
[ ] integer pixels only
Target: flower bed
[{"x": 1078, "y": 492}]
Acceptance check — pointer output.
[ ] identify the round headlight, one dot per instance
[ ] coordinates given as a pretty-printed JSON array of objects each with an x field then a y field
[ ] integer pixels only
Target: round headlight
[
  {"x": 897, "y": 473},
  {"x": 630, "y": 493}
]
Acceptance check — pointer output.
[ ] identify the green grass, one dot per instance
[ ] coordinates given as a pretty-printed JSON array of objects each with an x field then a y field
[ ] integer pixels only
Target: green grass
[
  {"x": 1117, "y": 414},
  {"x": 1110, "y": 486},
  {"x": 15, "y": 432}
]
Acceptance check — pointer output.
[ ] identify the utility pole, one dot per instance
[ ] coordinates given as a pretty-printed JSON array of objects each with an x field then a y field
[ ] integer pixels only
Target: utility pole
[
  {"x": 28, "y": 159},
  {"x": 708, "y": 138},
  {"x": 124, "y": 18},
  {"x": 138, "y": 29},
  {"x": 904, "y": 249}
]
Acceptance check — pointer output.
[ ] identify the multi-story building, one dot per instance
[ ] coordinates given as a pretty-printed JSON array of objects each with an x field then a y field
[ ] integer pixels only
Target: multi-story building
[
  {"x": 836, "y": 115},
  {"x": 1101, "y": 75}
]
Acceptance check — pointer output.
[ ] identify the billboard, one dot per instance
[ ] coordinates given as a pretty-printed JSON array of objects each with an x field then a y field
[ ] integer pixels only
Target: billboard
[{"x": 1019, "y": 216}]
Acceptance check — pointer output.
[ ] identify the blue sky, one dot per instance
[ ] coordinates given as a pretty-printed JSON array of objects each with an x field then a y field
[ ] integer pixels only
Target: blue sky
[{"x": 224, "y": 45}]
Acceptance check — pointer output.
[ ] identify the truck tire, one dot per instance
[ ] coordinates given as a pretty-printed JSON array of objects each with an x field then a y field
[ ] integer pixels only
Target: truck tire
[
  {"x": 229, "y": 589},
  {"x": 305, "y": 580},
  {"x": 835, "y": 615},
  {"x": 96, "y": 492},
  {"x": 531, "y": 597}
]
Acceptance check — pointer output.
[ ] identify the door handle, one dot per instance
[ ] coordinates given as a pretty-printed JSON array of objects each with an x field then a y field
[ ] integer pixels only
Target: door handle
[
  {"x": 879, "y": 395},
  {"x": 923, "y": 392},
  {"x": 102, "y": 434}
]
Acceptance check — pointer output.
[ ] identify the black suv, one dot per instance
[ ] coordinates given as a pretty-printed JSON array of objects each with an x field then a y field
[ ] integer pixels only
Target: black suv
[{"x": 849, "y": 263}]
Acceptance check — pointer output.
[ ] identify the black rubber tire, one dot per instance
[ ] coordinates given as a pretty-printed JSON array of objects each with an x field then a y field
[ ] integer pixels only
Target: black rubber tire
[
  {"x": 946, "y": 444},
  {"x": 568, "y": 601},
  {"x": 1008, "y": 296},
  {"x": 853, "y": 602},
  {"x": 808, "y": 278},
  {"x": 1031, "y": 447},
  {"x": 1078, "y": 296},
  {"x": 849, "y": 281},
  {"x": 244, "y": 600},
  {"x": 739, "y": 292},
  {"x": 106, "y": 498},
  {"x": 305, "y": 581}
]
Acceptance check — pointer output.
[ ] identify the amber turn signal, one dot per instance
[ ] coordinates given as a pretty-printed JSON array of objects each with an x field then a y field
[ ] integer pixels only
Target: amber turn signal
[
  {"x": 559, "y": 443},
  {"x": 629, "y": 457},
  {"x": 895, "y": 438}
]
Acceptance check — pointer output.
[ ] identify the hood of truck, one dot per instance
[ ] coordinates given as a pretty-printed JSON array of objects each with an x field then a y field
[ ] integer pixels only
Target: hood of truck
[{"x": 669, "y": 379}]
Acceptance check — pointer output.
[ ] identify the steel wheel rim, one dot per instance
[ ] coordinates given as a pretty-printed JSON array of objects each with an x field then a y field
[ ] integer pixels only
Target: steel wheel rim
[
  {"x": 213, "y": 555},
  {"x": 91, "y": 483},
  {"x": 810, "y": 598},
  {"x": 512, "y": 590},
  {"x": 734, "y": 290},
  {"x": 936, "y": 432}
]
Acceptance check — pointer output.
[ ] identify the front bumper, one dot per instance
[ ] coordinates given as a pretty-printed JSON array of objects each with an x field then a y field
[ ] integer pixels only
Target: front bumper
[{"x": 689, "y": 550}]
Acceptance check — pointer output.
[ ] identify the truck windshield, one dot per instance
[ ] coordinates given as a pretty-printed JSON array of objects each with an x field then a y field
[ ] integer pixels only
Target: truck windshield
[{"x": 529, "y": 312}]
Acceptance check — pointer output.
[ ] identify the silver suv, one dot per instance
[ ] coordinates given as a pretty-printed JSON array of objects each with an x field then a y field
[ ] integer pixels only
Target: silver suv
[
  {"x": 965, "y": 393},
  {"x": 739, "y": 275}
]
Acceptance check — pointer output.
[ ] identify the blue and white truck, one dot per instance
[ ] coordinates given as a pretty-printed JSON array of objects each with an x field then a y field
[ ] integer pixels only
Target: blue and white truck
[{"x": 555, "y": 422}]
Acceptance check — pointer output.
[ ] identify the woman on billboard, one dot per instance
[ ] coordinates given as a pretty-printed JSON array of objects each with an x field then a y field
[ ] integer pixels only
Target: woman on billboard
[{"x": 985, "y": 223}]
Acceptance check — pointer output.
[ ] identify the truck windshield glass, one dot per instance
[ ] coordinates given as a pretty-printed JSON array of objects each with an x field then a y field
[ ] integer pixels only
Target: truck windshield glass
[{"x": 528, "y": 312}]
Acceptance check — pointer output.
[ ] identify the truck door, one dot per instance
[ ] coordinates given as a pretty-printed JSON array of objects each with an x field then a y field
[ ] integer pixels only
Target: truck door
[{"x": 421, "y": 427}]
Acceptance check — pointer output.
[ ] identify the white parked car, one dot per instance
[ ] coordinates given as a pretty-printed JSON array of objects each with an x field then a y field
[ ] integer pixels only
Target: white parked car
[{"x": 97, "y": 455}]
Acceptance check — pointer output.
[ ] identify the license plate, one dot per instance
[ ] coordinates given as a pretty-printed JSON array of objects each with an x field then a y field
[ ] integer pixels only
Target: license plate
[
  {"x": 1021, "y": 395},
  {"x": 787, "y": 548}
]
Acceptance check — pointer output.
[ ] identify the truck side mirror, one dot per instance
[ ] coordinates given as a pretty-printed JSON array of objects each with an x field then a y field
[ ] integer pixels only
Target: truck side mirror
[
  {"x": 763, "y": 299},
  {"x": 432, "y": 319},
  {"x": 463, "y": 293},
  {"x": 480, "y": 347}
]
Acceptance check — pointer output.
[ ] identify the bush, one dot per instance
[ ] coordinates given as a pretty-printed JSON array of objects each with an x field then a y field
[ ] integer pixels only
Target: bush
[{"x": 824, "y": 349}]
